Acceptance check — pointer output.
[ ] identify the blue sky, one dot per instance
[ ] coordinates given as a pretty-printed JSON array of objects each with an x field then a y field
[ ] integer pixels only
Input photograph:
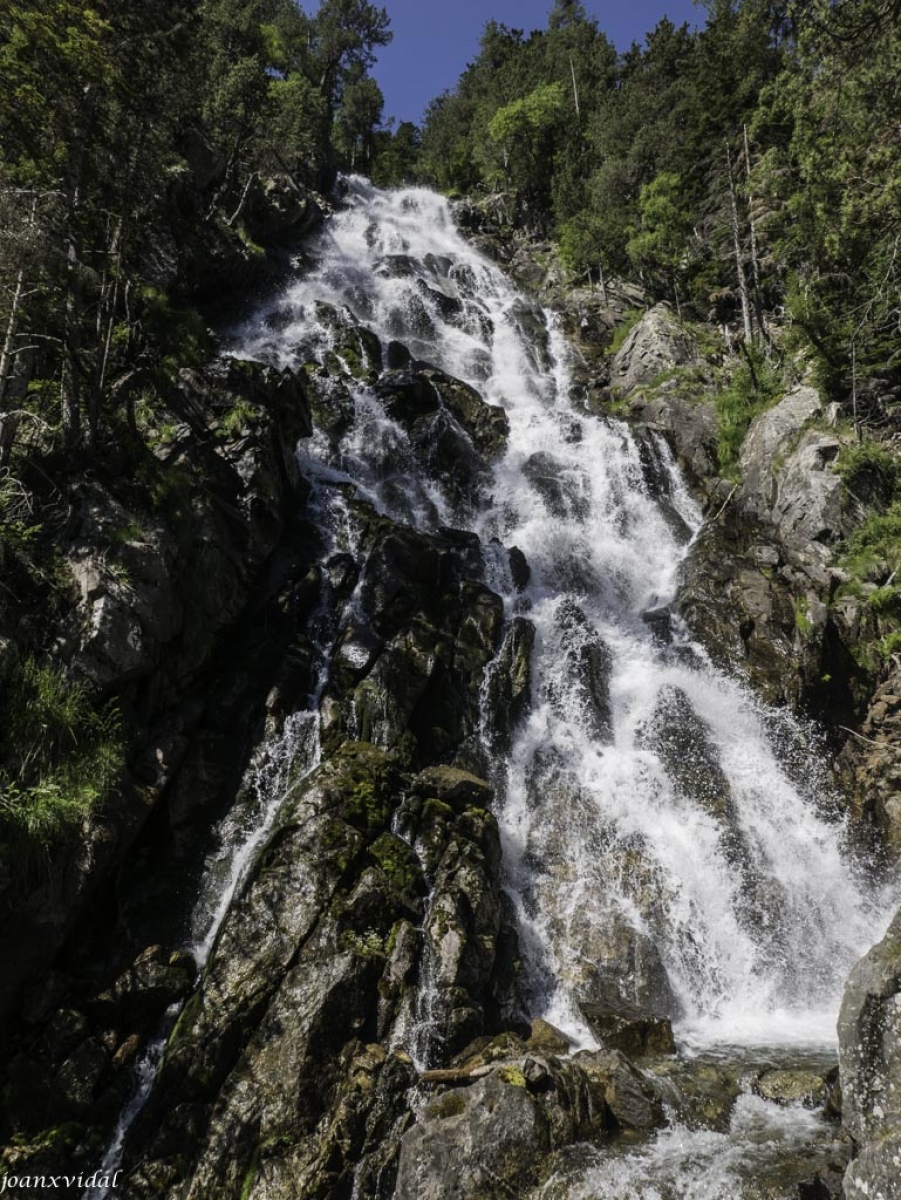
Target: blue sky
[{"x": 435, "y": 39}]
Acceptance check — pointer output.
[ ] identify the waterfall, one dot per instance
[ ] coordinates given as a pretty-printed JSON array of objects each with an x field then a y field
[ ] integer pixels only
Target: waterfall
[
  {"x": 658, "y": 841},
  {"x": 643, "y": 800}
]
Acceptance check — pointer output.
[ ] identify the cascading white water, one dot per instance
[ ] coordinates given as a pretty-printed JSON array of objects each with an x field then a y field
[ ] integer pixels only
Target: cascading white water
[
  {"x": 698, "y": 1164},
  {"x": 751, "y": 902}
]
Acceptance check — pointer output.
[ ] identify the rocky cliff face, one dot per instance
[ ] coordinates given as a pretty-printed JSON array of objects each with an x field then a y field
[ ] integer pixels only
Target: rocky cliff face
[
  {"x": 870, "y": 1039},
  {"x": 374, "y": 917}
]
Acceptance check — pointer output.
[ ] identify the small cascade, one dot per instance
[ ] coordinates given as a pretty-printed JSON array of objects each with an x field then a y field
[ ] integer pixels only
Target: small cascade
[
  {"x": 144, "y": 1073},
  {"x": 290, "y": 755},
  {"x": 279, "y": 762}
]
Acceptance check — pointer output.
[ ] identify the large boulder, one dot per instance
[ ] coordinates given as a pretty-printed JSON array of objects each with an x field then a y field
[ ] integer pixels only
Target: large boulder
[
  {"x": 619, "y": 978},
  {"x": 492, "y": 1139},
  {"x": 656, "y": 344},
  {"x": 788, "y": 481},
  {"x": 869, "y": 1030},
  {"x": 690, "y": 427},
  {"x": 767, "y": 439},
  {"x": 875, "y": 1173},
  {"x": 737, "y": 603}
]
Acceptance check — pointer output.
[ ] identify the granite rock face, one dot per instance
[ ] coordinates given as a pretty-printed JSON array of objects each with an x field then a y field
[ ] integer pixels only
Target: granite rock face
[
  {"x": 869, "y": 1030},
  {"x": 656, "y": 344}
]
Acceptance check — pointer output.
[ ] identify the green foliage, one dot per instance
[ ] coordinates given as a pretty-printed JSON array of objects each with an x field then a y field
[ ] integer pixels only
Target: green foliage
[
  {"x": 241, "y": 415},
  {"x": 753, "y": 384},
  {"x": 658, "y": 248},
  {"x": 869, "y": 472},
  {"x": 750, "y": 164},
  {"x": 58, "y": 756},
  {"x": 134, "y": 140},
  {"x": 18, "y": 528},
  {"x": 803, "y": 623},
  {"x": 872, "y": 554},
  {"x": 397, "y": 861}
]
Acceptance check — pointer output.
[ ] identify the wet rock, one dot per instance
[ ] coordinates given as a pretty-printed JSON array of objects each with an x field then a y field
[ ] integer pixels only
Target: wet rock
[
  {"x": 660, "y": 623},
  {"x": 792, "y": 1087},
  {"x": 504, "y": 1131},
  {"x": 297, "y": 975},
  {"x": 702, "y": 1093},
  {"x": 331, "y": 402},
  {"x": 619, "y": 970},
  {"x": 874, "y": 1174},
  {"x": 682, "y": 742},
  {"x": 509, "y": 687},
  {"x": 530, "y": 320},
  {"x": 588, "y": 661},
  {"x": 659, "y": 483},
  {"x": 520, "y": 571},
  {"x": 564, "y": 492},
  {"x": 153, "y": 982},
  {"x": 399, "y": 266},
  {"x": 869, "y": 1029},
  {"x": 450, "y": 426},
  {"x": 742, "y": 612},
  {"x": 619, "y": 1026},
  {"x": 632, "y": 1100},
  {"x": 407, "y": 395},
  {"x": 656, "y": 344},
  {"x": 486, "y": 424},
  {"x": 690, "y": 427},
  {"x": 397, "y": 356},
  {"x": 448, "y": 306},
  {"x": 353, "y": 351},
  {"x": 464, "y": 919},
  {"x": 545, "y": 1038},
  {"x": 511, "y": 1118},
  {"x": 459, "y": 789}
]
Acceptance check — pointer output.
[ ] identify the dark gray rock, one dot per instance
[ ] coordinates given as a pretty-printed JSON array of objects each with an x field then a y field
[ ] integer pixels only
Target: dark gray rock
[{"x": 510, "y": 681}]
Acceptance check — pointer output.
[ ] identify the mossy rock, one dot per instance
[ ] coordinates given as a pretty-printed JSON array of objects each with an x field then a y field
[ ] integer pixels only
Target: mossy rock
[{"x": 398, "y": 862}]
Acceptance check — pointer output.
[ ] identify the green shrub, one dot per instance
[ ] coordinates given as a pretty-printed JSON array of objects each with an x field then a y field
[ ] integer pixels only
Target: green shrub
[
  {"x": 18, "y": 528},
  {"x": 58, "y": 756},
  {"x": 803, "y": 623},
  {"x": 869, "y": 472},
  {"x": 753, "y": 386},
  {"x": 873, "y": 552}
]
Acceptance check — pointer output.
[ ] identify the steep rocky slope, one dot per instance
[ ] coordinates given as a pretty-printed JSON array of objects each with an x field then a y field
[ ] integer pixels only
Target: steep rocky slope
[{"x": 357, "y": 1029}]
